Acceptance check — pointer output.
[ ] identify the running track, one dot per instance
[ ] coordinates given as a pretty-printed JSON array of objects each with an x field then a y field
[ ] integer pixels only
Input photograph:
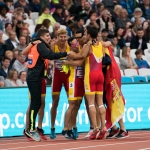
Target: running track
[{"x": 138, "y": 140}]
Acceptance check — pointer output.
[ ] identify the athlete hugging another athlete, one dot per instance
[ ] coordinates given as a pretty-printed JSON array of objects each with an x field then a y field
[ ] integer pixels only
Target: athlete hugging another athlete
[{"x": 82, "y": 56}]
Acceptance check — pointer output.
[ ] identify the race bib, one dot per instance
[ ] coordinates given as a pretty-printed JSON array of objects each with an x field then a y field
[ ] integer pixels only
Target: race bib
[
  {"x": 79, "y": 72},
  {"x": 58, "y": 64}
]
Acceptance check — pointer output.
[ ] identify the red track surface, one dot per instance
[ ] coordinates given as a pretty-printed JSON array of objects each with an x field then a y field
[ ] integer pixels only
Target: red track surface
[{"x": 139, "y": 140}]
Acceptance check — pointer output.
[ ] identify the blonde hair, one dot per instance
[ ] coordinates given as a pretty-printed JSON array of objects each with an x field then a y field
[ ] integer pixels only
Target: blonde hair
[
  {"x": 8, "y": 52},
  {"x": 116, "y": 8},
  {"x": 61, "y": 31},
  {"x": 12, "y": 32},
  {"x": 124, "y": 51},
  {"x": 123, "y": 10},
  {"x": 11, "y": 73}
]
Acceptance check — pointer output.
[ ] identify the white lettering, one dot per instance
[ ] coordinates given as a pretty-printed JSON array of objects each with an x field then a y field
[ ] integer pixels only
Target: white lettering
[
  {"x": 131, "y": 109},
  {"x": 124, "y": 117},
  {"x": 139, "y": 110},
  {"x": 2, "y": 125},
  {"x": 63, "y": 114},
  {"x": 148, "y": 113},
  {"x": 17, "y": 120},
  {"x": 80, "y": 116},
  {"x": 46, "y": 124}
]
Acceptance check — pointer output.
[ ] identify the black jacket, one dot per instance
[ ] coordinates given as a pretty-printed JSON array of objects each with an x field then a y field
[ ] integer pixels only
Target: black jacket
[
  {"x": 9, "y": 45},
  {"x": 135, "y": 43},
  {"x": 37, "y": 72}
]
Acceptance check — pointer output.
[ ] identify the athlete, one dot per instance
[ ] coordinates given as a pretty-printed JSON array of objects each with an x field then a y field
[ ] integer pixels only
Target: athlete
[
  {"x": 75, "y": 93},
  {"x": 36, "y": 68},
  {"x": 41, "y": 110},
  {"x": 60, "y": 45}
]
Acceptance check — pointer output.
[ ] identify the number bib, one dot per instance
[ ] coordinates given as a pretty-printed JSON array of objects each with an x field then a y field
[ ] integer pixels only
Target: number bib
[{"x": 79, "y": 72}]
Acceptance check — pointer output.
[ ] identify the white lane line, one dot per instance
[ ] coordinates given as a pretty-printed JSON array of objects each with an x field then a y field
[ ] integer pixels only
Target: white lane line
[
  {"x": 141, "y": 136},
  {"x": 23, "y": 138},
  {"x": 25, "y": 147},
  {"x": 103, "y": 145},
  {"x": 144, "y": 149}
]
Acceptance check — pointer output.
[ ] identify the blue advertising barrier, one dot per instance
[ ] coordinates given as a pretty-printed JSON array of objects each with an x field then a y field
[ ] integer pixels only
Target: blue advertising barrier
[{"x": 14, "y": 102}]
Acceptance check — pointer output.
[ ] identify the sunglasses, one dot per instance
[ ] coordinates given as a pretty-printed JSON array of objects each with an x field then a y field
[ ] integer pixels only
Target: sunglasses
[{"x": 74, "y": 45}]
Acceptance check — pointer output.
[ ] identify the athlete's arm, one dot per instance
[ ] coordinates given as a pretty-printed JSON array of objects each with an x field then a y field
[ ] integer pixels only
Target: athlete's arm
[
  {"x": 46, "y": 53},
  {"x": 26, "y": 50},
  {"x": 84, "y": 53},
  {"x": 74, "y": 63}
]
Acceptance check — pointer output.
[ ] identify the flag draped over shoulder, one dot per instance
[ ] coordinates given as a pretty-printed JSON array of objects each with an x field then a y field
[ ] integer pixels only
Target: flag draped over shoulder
[{"x": 115, "y": 99}]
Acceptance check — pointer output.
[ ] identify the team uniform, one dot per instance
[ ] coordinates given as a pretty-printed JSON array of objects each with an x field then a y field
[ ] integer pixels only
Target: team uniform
[
  {"x": 76, "y": 83},
  {"x": 93, "y": 79},
  {"x": 59, "y": 78}
]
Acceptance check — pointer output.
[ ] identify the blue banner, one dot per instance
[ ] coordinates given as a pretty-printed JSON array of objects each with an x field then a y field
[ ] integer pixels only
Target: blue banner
[{"x": 14, "y": 103}]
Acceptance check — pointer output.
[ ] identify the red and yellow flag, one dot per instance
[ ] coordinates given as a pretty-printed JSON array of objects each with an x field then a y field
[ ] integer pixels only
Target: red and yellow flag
[{"x": 115, "y": 99}]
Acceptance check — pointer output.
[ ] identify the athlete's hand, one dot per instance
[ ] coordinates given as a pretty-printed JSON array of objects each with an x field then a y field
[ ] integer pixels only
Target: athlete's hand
[{"x": 37, "y": 42}]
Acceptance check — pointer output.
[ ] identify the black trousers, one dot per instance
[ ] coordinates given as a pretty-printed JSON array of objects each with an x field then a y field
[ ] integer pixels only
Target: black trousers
[{"x": 35, "y": 88}]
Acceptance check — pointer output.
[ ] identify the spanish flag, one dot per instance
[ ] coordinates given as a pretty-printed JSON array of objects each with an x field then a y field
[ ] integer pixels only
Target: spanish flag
[{"x": 115, "y": 99}]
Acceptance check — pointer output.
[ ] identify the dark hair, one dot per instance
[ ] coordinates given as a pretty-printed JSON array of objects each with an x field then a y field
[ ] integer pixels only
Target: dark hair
[
  {"x": 19, "y": 52},
  {"x": 6, "y": 25},
  {"x": 93, "y": 31},
  {"x": 2, "y": 7},
  {"x": 5, "y": 58},
  {"x": 44, "y": 8},
  {"x": 70, "y": 40},
  {"x": 38, "y": 26},
  {"x": 79, "y": 18},
  {"x": 99, "y": 5},
  {"x": 22, "y": 36},
  {"x": 46, "y": 23},
  {"x": 140, "y": 29},
  {"x": 138, "y": 51},
  {"x": 80, "y": 31},
  {"x": 21, "y": 73},
  {"x": 91, "y": 13},
  {"x": 42, "y": 32}
]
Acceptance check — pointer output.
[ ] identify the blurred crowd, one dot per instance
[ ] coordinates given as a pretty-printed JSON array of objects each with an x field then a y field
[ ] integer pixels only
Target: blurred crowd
[{"x": 126, "y": 23}]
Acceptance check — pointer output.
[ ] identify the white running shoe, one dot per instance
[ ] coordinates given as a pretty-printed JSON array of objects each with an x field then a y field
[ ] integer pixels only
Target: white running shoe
[{"x": 89, "y": 133}]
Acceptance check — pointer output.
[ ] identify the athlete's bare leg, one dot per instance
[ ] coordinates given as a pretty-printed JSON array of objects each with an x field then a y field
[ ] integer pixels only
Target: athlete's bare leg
[
  {"x": 121, "y": 124},
  {"x": 87, "y": 109},
  {"x": 102, "y": 111},
  {"x": 98, "y": 117},
  {"x": 74, "y": 115},
  {"x": 92, "y": 109},
  {"x": 69, "y": 112},
  {"x": 54, "y": 109}
]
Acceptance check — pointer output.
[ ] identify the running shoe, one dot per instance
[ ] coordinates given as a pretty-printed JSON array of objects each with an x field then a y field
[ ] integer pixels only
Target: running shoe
[
  {"x": 71, "y": 135},
  {"x": 33, "y": 134},
  {"x": 75, "y": 132},
  {"x": 52, "y": 134},
  {"x": 64, "y": 133},
  {"x": 122, "y": 134},
  {"x": 93, "y": 135},
  {"x": 101, "y": 134},
  {"x": 89, "y": 134},
  {"x": 41, "y": 133},
  {"x": 113, "y": 133},
  {"x": 30, "y": 139}
]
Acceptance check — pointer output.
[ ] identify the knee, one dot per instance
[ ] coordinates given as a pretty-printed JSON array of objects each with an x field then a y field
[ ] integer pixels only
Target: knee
[
  {"x": 102, "y": 109},
  {"x": 55, "y": 103}
]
